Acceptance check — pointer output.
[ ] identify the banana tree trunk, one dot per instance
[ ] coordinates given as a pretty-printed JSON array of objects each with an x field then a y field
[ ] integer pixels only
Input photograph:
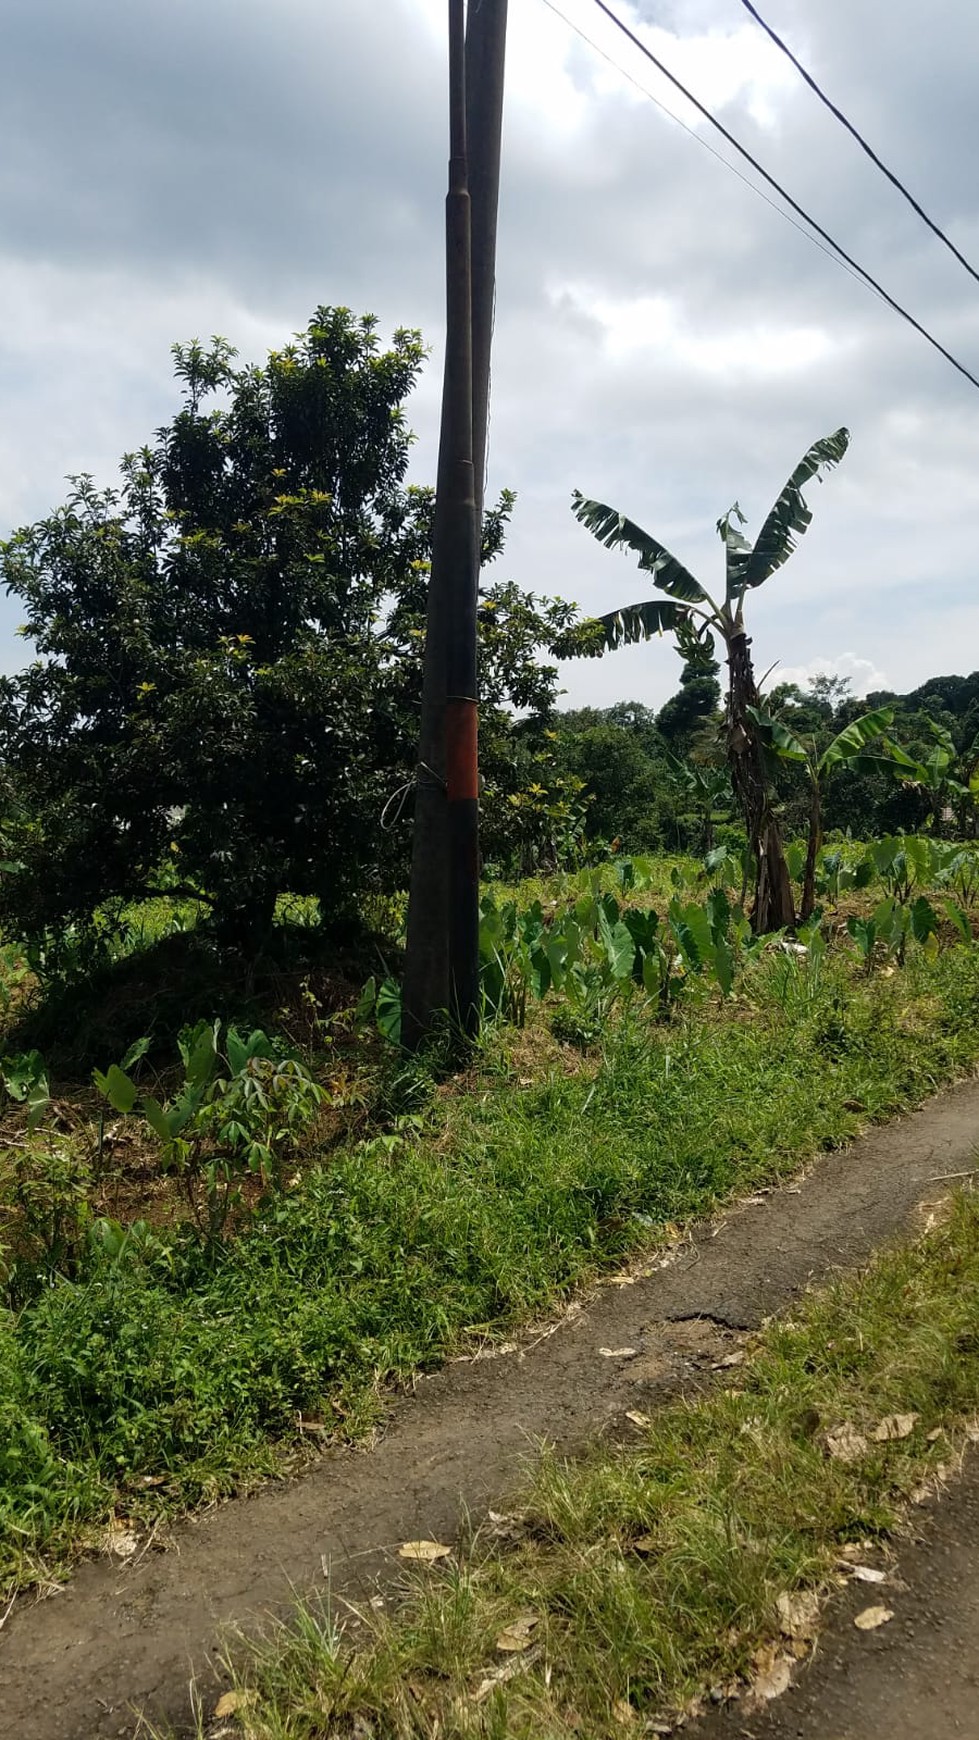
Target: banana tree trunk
[
  {"x": 773, "y": 907},
  {"x": 812, "y": 852}
]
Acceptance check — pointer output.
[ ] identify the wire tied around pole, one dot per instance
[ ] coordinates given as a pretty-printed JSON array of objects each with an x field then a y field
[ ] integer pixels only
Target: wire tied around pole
[{"x": 398, "y": 799}]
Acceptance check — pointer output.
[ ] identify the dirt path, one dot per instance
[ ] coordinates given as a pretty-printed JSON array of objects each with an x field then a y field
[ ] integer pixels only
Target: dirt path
[
  {"x": 127, "y": 1637},
  {"x": 916, "y": 1678}
]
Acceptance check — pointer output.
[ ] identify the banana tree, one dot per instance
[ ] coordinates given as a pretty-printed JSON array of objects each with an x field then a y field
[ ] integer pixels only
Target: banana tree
[
  {"x": 948, "y": 779},
  {"x": 694, "y": 617},
  {"x": 707, "y": 789},
  {"x": 848, "y": 748}
]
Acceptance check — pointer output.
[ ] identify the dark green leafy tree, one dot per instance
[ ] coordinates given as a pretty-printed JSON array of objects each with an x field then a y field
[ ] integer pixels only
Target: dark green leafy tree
[
  {"x": 690, "y": 612},
  {"x": 619, "y": 778},
  {"x": 229, "y": 646},
  {"x": 696, "y": 703},
  {"x": 209, "y": 687}
]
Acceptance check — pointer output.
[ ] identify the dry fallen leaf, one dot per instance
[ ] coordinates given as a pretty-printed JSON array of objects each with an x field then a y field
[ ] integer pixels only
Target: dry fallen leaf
[
  {"x": 928, "y": 1488},
  {"x": 316, "y": 1427},
  {"x": 798, "y": 1614},
  {"x": 845, "y": 1444},
  {"x": 637, "y": 1418},
  {"x": 120, "y": 1541},
  {"x": 232, "y": 1702},
  {"x": 518, "y": 1664},
  {"x": 517, "y": 1636},
  {"x": 623, "y": 1713},
  {"x": 893, "y": 1427},
  {"x": 867, "y": 1574},
  {"x": 725, "y": 1692},
  {"x": 645, "y": 1544},
  {"x": 426, "y": 1552},
  {"x": 618, "y": 1352},
  {"x": 730, "y": 1359},
  {"x": 770, "y": 1684},
  {"x": 872, "y": 1617},
  {"x": 934, "y": 1435}
]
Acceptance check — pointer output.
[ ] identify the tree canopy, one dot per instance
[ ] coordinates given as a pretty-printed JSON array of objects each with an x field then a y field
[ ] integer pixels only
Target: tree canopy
[{"x": 229, "y": 642}]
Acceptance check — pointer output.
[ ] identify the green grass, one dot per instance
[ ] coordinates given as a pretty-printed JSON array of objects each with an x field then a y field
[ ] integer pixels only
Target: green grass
[
  {"x": 644, "y": 1575},
  {"x": 157, "y": 1380},
  {"x": 564, "y": 887}
]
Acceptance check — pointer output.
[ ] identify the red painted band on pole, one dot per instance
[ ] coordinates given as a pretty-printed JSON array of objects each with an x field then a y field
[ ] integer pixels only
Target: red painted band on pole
[{"x": 461, "y": 751}]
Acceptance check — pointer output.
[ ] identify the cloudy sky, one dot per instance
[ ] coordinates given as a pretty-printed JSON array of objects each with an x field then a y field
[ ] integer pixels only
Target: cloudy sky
[{"x": 665, "y": 340}]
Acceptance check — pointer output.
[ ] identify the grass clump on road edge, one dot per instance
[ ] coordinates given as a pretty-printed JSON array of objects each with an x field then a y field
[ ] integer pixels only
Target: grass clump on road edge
[
  {"x": 638, "y": 1578},
  {"x": 152, "y": 1381}
]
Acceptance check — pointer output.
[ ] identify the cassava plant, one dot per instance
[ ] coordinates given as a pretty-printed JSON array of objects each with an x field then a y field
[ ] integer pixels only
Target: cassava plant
[
  {"x": 695, "y": 618},
  {"x": 243, "y": 1103}
]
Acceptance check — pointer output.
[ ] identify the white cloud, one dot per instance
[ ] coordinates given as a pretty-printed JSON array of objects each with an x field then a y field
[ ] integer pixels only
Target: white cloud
[
  {"x": 862, "y": 674},
  {"x": 657, "y": 325}
]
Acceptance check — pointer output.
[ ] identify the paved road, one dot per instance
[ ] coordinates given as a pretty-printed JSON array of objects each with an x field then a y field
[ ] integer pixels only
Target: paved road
[{"x": 917, "y": 1678}]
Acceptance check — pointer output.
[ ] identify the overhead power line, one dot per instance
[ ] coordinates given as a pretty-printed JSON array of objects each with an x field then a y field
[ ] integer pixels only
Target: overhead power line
[
  {"x": 743, "y": 151},
  {"x": 699, "y": 139},
  {"x": 854, "y": 132}
]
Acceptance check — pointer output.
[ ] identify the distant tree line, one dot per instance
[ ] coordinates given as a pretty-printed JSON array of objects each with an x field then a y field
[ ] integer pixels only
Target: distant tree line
[{"x": 643, "y": 770}]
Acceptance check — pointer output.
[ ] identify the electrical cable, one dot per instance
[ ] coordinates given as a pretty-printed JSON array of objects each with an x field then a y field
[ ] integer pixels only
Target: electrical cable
[
  {"x": 699, "y": 139},
  {"x": 895, "y": 180},
  {"x": 743, "y": 151}
]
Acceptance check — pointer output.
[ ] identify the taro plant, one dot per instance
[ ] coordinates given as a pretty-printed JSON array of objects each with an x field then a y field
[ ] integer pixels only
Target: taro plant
[
  {"x": 703, "y": 936},
  {"x": 381, "y": 998},
  {"x": 957, "y": 868},
  {"x": 598, "y": 969},
  {"x": 25, "y": 1077},
  {"x": 836, "y": 874},
  {"x": 904, "y": 863},
  {"x": 891, "y": 926},
  {"x": 695, "y": 618}
]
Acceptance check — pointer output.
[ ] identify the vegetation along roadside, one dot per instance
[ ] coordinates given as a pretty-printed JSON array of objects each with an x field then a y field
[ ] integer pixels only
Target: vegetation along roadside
[
  {"x": 146, "y": 1370},
  {"x": 684, "y": 1565}
]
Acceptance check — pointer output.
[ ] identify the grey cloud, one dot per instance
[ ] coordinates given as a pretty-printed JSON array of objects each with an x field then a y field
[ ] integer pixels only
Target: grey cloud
[{"x": 224, "y": 165}]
